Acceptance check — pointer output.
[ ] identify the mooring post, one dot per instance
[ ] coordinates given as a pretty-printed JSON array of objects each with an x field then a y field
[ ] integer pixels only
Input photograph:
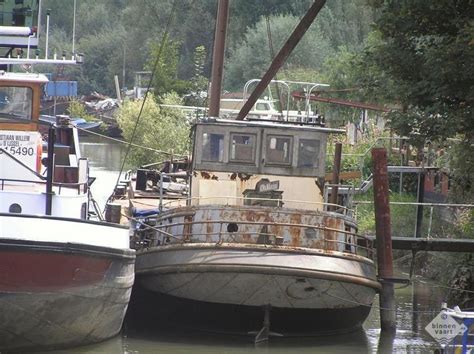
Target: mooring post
[
  {"x": 335, "y": 176},
  {"x": 384, "y": 240}
]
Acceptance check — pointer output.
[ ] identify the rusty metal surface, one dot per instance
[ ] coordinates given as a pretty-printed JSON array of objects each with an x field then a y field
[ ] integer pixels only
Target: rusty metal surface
[
  {"x": 253, "y": 225},
  {"x": 384, "y": 240},
  {"x": 382, "y": 213}
]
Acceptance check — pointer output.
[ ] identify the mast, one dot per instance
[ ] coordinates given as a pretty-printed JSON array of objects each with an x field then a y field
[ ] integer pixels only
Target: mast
[
  {"x": 282, "y": 55},
  {"x": 218, "y": 57}
]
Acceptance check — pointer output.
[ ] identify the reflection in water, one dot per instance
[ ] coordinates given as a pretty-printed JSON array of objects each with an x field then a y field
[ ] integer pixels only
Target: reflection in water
[
  {"x": 105, "y": 162},
  {"x": 417, "y": 305},
  {"x": 173, "y": 341}
]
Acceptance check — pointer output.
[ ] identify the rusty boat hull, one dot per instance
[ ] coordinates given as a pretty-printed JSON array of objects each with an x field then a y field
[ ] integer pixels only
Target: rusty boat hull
[
  {"x": 252, "y": 229},
  {"x": 224, "y": 287},
  {"x": 57, "y": 295}
]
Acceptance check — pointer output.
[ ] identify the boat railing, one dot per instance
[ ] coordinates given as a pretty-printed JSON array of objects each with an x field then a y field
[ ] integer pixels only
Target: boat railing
[
  {"x": 349, "y": 243},
  {"x": 235, "y": 200},
  {"x": 80, "y": 187},
  {"x": 40, "y": 179}
]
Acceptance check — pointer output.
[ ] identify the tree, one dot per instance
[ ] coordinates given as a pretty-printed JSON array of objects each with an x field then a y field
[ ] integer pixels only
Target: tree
[
  {"x": 427, "y": 50},
  {"x": 164, "y": 129},
  {"x": 165, "y": 79},
  {"x": 252, "y": 57}
]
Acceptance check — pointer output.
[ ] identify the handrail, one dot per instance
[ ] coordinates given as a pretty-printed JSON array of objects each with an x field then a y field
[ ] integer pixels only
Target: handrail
[
  {"x": 55, "y": 184},
  {"x": 184, "y": 237},
  {"x": 324, "y": 204}
]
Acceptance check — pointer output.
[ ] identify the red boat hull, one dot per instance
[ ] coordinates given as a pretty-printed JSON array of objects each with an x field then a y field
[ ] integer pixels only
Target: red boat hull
[{"x": 55, "y": 295}]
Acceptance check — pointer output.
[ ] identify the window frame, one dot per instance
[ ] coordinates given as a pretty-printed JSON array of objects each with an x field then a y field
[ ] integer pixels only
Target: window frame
[
  {"x": 253, "y": 161},
  {"x": 300, "y": 140},
  {"x": 223, "y": 147},
  {"x": 291, "y": 139},
  {"x": 29, "y": 113}
]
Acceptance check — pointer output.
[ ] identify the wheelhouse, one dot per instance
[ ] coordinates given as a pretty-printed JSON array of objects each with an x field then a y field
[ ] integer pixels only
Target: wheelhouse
[{"x": 242, "y": 161}]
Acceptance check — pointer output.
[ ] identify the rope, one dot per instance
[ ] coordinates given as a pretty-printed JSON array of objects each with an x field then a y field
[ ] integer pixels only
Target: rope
[
  {"x": 129, "y": 143},
  {"x": 158, "y": 57}
]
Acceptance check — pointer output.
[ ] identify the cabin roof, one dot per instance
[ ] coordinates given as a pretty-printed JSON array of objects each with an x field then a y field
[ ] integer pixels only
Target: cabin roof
[
  {"x": 23, "y": 77},
  {"x": 266, "y": 124}
]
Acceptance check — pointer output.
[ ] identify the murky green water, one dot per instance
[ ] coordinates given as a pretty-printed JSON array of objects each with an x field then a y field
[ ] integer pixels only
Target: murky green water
[{"x": 417, "y": 305}]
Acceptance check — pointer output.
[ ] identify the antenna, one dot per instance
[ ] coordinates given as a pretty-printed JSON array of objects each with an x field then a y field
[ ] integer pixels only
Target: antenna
[
  {"x": 74, "y": 29},
  {"x": 48, "y": 12}
]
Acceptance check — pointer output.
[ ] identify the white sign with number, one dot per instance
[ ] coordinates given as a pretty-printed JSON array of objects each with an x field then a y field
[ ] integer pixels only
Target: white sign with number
[
  {"x": 23, "y": 146},
  {"x": 445, "y": 328}
]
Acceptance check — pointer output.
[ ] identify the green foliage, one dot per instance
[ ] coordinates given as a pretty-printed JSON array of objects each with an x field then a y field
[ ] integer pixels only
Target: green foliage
[
  {"x": 357, "y": 157},
  {"x": 402, "y": 217},
  {"x": 426, "y": 48},
  {"x": 199, "y": 83},
  {"x": 115, "y": 35},
  {"x": 460, "y": 163},
  {"x": 77, "y": 109},
  {"x": 164, "y": 129},
  {"x": 252, "y": 57},
  {"x": 165, "y": 77}
]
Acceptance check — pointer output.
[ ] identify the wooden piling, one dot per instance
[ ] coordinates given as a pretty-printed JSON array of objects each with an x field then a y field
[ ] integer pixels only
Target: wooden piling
[
  {"x": 335, "y": 175},
  {"x": 384, "y": 240}
]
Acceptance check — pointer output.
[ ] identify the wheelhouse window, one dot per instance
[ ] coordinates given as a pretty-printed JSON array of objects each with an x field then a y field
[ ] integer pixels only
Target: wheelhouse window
[
  {"x": 213, "y": 147},
  {"x": 16, "y": 103},
  {"x": 308, "y": 153},
  {"x": 242, "y": 148},
  {"x": 279, "y": 149}
]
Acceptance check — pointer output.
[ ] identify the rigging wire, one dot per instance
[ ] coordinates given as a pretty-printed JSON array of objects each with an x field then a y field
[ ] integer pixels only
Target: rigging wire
[
  {"x": 272, "y": 56},
  {"x": 155, "y": 65},
  {"x": 129, "y": 143}
]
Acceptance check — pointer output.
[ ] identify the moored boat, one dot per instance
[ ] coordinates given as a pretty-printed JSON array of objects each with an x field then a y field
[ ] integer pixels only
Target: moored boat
[
  {"x": 83, "y": 125},
  {"x": 65, "y": 280},
  {"x": 254, "y": 241}
]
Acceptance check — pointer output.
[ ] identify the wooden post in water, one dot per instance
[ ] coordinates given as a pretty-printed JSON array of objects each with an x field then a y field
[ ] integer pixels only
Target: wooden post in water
[
  {"x": 384, "y": 240},
  {"x": 336, "y": 169}
]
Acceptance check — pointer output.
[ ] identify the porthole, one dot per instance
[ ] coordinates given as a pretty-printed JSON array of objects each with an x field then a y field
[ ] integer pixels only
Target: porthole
[
  {"x": 232, "y": 227},
  {"x": 15, "y": 208}
]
